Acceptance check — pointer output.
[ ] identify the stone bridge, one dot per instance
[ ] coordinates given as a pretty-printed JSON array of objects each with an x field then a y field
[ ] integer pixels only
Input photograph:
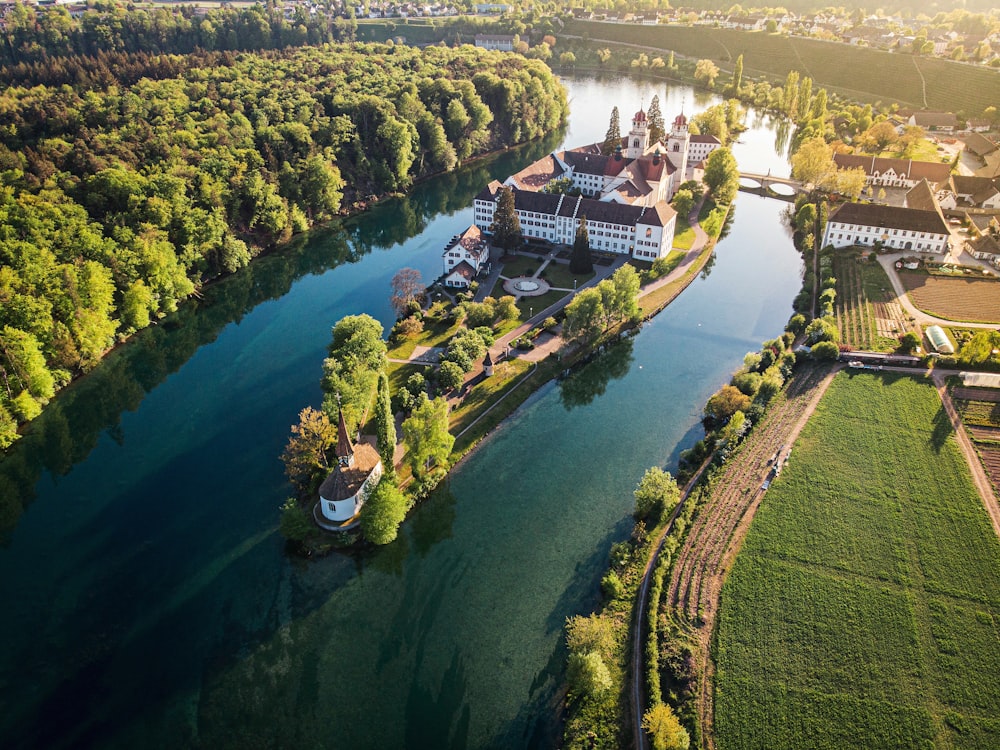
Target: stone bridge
[{"x": 765, "y": 181}]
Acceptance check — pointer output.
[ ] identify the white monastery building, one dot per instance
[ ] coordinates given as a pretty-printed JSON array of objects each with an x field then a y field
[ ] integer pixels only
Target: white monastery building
[
  {"x": 466, "y": 255},
  {"x": 624, "y": 196},
  {"x": 895, "y": 227}
]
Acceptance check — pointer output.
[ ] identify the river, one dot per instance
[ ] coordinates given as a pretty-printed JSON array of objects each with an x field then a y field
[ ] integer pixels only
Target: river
[{"x": 148, "y": 599}]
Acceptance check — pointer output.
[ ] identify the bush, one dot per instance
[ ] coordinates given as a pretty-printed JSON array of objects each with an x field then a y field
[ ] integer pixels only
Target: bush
[
  {"x": 825, "y": 351},
  {"x": 588, "y": 675},
  {"x": 612, "y": 585}
]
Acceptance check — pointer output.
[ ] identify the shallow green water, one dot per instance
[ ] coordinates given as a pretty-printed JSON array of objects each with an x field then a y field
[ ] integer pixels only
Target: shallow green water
[{"x": 148, "y": 599}]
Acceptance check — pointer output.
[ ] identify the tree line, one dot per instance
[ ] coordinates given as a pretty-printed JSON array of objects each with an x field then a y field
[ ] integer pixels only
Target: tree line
[{"x": 117, "y": 202}]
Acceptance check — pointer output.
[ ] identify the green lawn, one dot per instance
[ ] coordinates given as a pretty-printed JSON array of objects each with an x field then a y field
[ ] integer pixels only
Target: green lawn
[
  {"x": 559, "y": 275},
  {"x": 522, "y": 265},
  {"x": 864, "y": 607}
]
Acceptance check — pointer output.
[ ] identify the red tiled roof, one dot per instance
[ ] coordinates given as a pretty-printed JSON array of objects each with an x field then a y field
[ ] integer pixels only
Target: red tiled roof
[{"x": 890, "y": 217}]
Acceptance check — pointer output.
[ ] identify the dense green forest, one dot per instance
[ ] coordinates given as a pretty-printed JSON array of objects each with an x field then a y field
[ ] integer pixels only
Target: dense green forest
[{"x": 126, "y": 180}]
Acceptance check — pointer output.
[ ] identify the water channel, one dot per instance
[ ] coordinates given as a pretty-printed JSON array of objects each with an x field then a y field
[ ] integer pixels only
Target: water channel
[{"x": 148, "y": 599}]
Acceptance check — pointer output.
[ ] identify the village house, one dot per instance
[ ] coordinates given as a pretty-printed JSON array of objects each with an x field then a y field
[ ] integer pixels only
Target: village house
[
  {"x": 933, "y": 122},
  {"x": 985, "y": 248},
  {"x": 466, "y": 255},
  {"x": 979, "y": 146},
  {"x": 963, "y": 191},
  {"x": 884, "y": 172},
  {"x": 502, "y": 42},
  {"x": 352, "y": 480},
  {"x": 893, "y": 227}
]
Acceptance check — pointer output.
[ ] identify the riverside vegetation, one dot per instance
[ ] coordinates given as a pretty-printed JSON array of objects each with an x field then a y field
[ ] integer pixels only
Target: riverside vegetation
[{"x": 126, "y": 189}]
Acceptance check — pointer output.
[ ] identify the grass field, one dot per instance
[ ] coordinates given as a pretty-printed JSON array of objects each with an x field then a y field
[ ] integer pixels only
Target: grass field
[
  {"x": 864, "y": 607},
  {"x": 961, "y": 299},
  {"x": 867, "y": 74},
  {"x": 866, "y": 316}
]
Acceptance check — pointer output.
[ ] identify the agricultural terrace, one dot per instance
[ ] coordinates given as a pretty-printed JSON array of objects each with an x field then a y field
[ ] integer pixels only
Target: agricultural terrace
[
  {"x": 868, "y": 315},
  {"x": 864, "y": 608},
  {"x": 954, "y": 298},
  {"x": 980, "y": 412},
  {"x": 929, "y": 83}
]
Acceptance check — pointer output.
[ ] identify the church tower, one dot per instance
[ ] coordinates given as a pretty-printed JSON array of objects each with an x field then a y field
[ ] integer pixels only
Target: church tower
[
  {"x": 678, "y": 144},
  {"x": 638, "y": 137}
]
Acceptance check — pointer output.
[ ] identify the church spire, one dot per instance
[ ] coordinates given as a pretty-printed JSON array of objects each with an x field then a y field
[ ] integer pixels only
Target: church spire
[{"x": 345, "y": 448}]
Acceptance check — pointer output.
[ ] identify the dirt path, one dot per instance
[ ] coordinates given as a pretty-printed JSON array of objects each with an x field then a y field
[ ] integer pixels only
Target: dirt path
[
  {"x": 979, "y": 478},
  {"x": 718, "y": 530}
]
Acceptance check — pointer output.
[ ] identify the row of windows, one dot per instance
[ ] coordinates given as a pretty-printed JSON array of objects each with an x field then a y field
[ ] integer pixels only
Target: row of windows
[{"x": 897, "y": 232}]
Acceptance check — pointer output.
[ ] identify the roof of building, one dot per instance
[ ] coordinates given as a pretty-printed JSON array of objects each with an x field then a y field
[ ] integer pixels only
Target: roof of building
[
  {"x": 913, "y": 170},
  {"x": 705, "y": 139},
  {"x": 538, "y": 174},
  {"x": 594, "y": 164},
  {"x": 980, "y": 188},
  {"x": 985, "y": 244},
  {"x": 890, "y": 217},
  {"x": 639, "y": 116},
  {"x": 472, "y": 241},
  {"x": 489, "y": 192},
  {"x": 979, "y": 144},
  {"x": 935, "y": 119},
  {"x": 922, "y": 196},
  {"x": 345, "y": 481},
  {"x": 463, "y": 269}
]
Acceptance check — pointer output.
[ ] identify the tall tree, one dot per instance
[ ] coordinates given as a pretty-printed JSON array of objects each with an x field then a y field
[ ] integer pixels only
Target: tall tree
[
  {"x": 580, "y": 261},
  {"x": 584, "y": 316},
  {"x": 613, "y": 138},
  {"x": 426, "y": 435},
  {"x": 407, "y": 286},
  {"x": 657, "y": 127},
  {"x": 737, "y": 75},
  {"x": 305, "y": 454},
  {"x": 383, "y": 511},
  {"x": 506, "y": 226},
  {"x": 385, "y": 426},
  {"x": 656, "y": 492},
  {"x": 706, "y": 71},
  {"x": 665, "y": 730},
  {"x": 722, "y": 175}
]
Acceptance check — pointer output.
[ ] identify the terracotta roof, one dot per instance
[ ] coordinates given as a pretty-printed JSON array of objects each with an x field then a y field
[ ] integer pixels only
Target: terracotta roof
[
  {"x": 345, "y": 481},
  {"x": 979, "y": 145},
  {"x": 890, "y": 217},
  {"x": 922, "y": 196},
  {"x": 472, "y": 241},
  {"x": 985, "y": 244},
  {"x": 464, "y": 270},
  {"x": 539, "y": 174},
  {"x": 489, "y": 192},
  {"x": 913, "y": 170}
]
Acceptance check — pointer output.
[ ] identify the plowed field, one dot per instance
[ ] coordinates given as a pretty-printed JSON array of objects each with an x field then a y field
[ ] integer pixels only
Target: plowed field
[{"x": 967, "y": 300}]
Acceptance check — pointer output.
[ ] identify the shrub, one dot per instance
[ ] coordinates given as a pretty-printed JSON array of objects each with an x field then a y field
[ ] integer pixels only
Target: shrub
[
  {"x": 588, "y": 675},
  {"x": 612, "y": 585}
]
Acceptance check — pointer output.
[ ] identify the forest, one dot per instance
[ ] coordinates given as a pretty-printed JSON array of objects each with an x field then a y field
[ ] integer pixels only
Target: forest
[{"x": 127, "y": 180}]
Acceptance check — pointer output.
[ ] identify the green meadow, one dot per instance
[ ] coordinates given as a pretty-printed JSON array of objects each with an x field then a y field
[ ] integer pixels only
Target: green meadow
[{"x": 864, "y": 607}]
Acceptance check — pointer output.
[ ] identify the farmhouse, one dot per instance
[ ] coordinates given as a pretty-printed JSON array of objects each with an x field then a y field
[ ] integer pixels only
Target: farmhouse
[
  {"x": 347, "y": 487},
  {"x": 985, "y": 248},
  {"x": 963, "y": 191},
  {"x": 979, "y": 146},
  {"x": 891, "y": 226},
  {"x": 883, "y": 172},
  {"x": 466, "y": 255},
  {"x": 940, "y": 122},
  {"x": 624, "y": 195}
]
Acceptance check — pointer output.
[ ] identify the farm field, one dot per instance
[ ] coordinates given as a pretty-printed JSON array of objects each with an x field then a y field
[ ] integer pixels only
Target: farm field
[
  {"x": 864, "y": 607},
  {"x": 868, "y": 316},
  {"x": 950, "y": 86},
  {"x": 966, "y": 300},
  {"x": 979, "y": 409}
]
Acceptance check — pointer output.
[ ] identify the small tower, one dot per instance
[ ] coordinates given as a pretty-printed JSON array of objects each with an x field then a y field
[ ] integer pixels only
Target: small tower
[
  {"x": 678, "y": 143},
  {"x": 638, "y": 137},
  {"x": 345, "y": 448},
  {"x": 488, "y": 365}
]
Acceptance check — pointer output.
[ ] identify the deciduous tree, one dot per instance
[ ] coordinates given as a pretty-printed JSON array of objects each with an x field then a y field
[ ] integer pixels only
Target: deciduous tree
[
  {"x": 305, "y": 454},
  {"x": 722, "y": 176},
  {"x": 407, "y": 285},
  {"x": 725, "y": 402},
  {"x": 656, "y": 493},
  {"x": 665, "y": 730},
  {"x": 426, "y": 435},
  {"x": 706, "y": 71}
]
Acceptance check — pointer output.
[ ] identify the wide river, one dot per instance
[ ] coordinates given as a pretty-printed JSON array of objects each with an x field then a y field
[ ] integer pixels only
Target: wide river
[{"x": 148, "y": 600}]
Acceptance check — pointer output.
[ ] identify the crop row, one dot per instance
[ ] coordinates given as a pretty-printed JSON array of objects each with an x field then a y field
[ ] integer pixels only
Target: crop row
[
  {"x": 862, "y": 610},
  {"x": 982, "y": 413}
]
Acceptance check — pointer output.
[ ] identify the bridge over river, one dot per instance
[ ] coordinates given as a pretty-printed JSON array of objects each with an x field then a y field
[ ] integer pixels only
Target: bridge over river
[{"x": 765, "y": 184}]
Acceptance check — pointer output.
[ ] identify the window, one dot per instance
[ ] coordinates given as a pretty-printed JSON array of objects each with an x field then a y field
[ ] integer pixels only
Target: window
[{"x": 649, "y": 232}]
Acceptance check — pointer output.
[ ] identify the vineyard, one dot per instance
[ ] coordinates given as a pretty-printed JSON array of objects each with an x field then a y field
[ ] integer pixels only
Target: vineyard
[
  {"x": 863, "y": 608},
  {"x": 868, "y": 315},
  {"x": 960, "y": 299},
  {"x": 980, "y": 412},
  {"x": 696, "y": 577}
]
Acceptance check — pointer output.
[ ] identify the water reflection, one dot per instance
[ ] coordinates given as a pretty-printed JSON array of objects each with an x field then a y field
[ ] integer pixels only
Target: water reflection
[
  {"x": 69, "y": 428},
  {"x": 591, "y": 380}
]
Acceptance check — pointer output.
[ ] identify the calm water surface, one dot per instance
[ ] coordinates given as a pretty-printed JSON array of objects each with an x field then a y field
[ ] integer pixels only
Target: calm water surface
[{"x": 148, "y": 600}]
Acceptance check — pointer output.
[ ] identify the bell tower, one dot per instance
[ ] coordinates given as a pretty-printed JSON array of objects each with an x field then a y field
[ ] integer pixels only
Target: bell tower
[{"x": 638, "y": 137}]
